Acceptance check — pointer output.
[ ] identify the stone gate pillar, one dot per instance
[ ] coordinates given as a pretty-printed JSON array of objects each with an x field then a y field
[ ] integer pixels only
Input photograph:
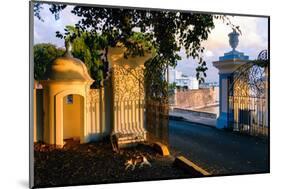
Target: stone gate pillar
[
  {"x": 127, "y": 95},
  {"x": 226, "y": 65}
]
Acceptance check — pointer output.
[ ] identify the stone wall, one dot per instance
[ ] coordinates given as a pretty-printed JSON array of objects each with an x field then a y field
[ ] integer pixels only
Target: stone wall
[{"x": 198, "y": 98}]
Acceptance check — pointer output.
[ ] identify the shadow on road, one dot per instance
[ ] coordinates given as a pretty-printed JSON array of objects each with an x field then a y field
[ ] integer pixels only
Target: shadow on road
[{"x": 218, "y": 151}]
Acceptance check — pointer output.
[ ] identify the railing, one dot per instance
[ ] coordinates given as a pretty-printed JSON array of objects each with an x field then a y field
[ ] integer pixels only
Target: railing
[
  {"x": 129, "y": 116},
  {"x": 248, "y": 115},
  {"x": 96, "y": 110}
]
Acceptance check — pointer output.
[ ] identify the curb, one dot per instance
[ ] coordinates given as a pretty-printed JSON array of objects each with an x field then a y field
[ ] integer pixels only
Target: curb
[
  {"x": 161, "y": 148},
  {"x": 190, "y": 167},
  {"x": 180, "y": 118},
  {"x": 196, "y": 113}
]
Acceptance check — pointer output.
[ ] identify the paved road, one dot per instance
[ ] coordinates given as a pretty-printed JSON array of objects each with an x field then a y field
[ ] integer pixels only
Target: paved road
[{"x": 219, "y": 152}]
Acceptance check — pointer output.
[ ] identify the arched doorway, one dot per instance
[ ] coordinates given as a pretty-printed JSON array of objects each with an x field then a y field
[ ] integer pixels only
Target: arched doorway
[
  {"x": 70, "y": 117},
  {"x": 73, "y": 116}
]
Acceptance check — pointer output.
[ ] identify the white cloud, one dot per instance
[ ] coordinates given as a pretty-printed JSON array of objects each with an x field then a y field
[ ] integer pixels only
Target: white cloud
[
  {"x": 209, "y": 53},
  {"x": 254, "y": 39},
  {"x": 254, "y": 36}
]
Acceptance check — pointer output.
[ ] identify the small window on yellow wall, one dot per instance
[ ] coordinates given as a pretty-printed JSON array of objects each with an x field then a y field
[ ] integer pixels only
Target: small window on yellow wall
[{"x": 69, "y": 99}]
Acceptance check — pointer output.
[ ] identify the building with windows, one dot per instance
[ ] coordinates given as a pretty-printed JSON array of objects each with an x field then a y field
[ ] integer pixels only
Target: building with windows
[{"x": 182, "y": 81}]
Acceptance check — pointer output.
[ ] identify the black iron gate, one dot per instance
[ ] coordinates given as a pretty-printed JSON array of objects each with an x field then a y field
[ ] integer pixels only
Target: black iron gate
[
  {"x": 156, "y": 102},
  {"x": 248, "y": 97}
]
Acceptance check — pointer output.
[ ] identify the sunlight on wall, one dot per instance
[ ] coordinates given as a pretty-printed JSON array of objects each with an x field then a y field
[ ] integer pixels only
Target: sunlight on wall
[{"x": 72, "y": 117}]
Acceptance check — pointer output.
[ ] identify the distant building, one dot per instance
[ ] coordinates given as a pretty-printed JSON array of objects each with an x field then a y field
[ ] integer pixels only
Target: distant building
[{"x": 182, "y": 81}]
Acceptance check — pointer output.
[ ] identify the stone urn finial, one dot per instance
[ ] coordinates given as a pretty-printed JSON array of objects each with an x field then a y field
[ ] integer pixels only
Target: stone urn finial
[
  {"x": 233, "y": 39},
  {"x": 68, "y": 48}
]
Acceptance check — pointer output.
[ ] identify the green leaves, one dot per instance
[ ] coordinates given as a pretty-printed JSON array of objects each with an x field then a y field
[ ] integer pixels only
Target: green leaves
[
  {"x": 56, "y": 9},
  {"x": 163, "y": 33},
  {"x": 36, "y": 9},
  {"x": 156, "y": 85},
  {"x": 44, "y": 55},
  {"x": 87, "y": 47}
]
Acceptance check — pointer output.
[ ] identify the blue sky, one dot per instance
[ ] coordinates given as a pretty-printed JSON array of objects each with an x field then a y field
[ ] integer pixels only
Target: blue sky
[{"x": 254, "y": 38}]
